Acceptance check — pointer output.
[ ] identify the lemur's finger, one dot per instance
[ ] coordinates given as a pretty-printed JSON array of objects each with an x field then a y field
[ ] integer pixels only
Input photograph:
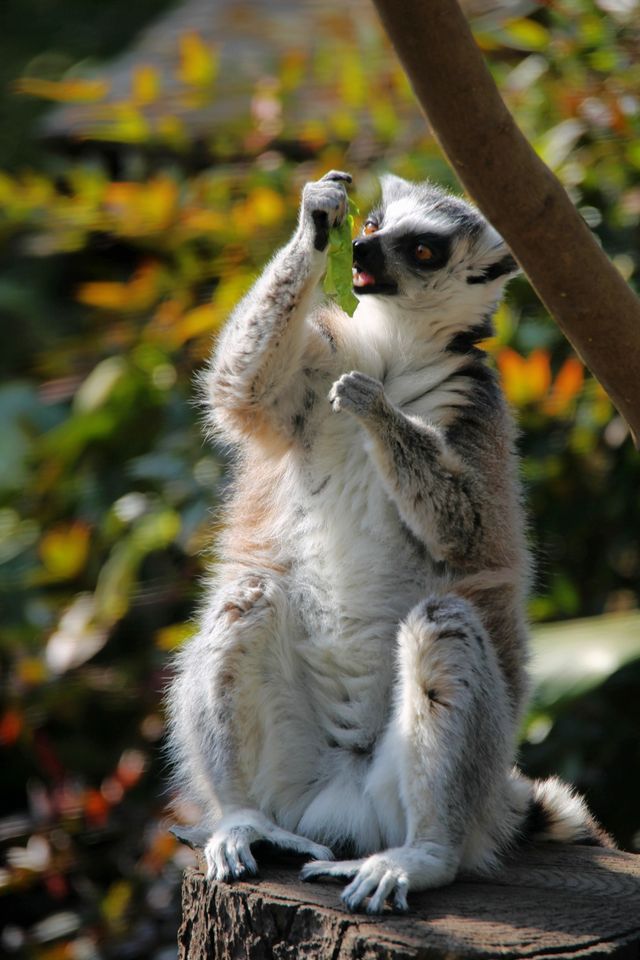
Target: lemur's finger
[
  {"x": 338, "y": 175},
  {"x": 400, "y": 896},
  {"x": 237, "y": 867},
  {"x": 318, "y": 852},
  {"x": 219, "y": 868},
  {"x": 362, "y": 885},
  {"x": 343, "y": 870},
  {"x": 291, "y": 841},
  {"x": 386, "y": 885}
]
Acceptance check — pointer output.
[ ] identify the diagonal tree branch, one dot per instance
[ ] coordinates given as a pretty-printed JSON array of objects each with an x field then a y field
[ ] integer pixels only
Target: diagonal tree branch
[{"x": 590, "y": 301}]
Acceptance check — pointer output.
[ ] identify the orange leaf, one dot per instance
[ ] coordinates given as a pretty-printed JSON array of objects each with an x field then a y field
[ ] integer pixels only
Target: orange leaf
[
  {"x": 11, "y": 724},
  {"x": 538, "y": 373},
  {"x": 566, "y": 387},
  {"x": 136, "y": 295},
  {"x": 525, "y": 379},
  {"x": 96, "y": 808},
  {"x": 511, "y": 366}
]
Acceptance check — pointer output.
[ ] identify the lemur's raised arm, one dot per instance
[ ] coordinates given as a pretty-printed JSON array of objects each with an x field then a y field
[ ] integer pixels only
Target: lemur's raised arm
[{"x": 254, "y": 381}]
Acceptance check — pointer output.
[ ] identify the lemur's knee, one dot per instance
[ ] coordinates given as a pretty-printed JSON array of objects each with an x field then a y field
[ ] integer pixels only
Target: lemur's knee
[{"x": 444, "y": 652}]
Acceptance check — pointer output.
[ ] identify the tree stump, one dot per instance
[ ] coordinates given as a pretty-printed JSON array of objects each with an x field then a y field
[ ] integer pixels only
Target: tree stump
[{"x": 550, "y": 901}]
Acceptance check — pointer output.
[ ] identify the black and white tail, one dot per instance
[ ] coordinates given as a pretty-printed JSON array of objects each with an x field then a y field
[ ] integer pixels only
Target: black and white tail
[{"x": 557, "y": 812}]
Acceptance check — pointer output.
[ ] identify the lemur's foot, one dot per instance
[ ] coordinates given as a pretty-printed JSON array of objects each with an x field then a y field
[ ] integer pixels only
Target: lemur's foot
[
  {"x": 324, "y": 203},
  {"x": 379, "y": 877},
  {"x": 358, "y": 393},
  {"x": 248, "y": 596},
  {"x": 228, "y": 852}
]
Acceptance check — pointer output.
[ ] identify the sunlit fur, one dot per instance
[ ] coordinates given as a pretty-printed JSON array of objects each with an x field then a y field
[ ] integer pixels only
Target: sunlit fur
[{"x": 359, "y": 672}]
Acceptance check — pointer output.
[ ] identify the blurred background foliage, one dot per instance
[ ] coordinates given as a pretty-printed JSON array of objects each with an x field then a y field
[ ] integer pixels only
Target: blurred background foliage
[{"x": 132, "y": 217}]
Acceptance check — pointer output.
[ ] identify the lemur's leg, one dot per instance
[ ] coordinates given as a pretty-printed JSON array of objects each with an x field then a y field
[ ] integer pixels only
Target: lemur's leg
[
  {"x": 439, "y": 499},
  {"x": 447, "y": 750},
  {"x": 230, "y": 709},
  {"x": 259, "y": 355}
]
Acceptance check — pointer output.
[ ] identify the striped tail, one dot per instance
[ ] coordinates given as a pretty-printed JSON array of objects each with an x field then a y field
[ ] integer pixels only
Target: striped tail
[{"x": 557, "y": 812}]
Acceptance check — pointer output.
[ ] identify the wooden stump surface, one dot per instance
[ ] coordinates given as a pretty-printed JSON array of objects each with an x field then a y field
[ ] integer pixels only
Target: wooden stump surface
[{"x": 550, "y": 902}]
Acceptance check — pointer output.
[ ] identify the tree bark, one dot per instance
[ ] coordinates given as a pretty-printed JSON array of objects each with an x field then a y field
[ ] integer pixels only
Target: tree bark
[
  {"x": 595, "y": 308},
  {"x": 553, "y": 901}
]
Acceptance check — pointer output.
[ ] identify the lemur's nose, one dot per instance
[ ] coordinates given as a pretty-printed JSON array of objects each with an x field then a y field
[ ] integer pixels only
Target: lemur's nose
[{"x": 360, "y": 250}]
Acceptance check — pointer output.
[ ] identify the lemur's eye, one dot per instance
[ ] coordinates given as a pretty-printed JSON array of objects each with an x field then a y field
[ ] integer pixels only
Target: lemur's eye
[
  {"x": 423, "y": 252},
  {"x": 370, "y": 227}
]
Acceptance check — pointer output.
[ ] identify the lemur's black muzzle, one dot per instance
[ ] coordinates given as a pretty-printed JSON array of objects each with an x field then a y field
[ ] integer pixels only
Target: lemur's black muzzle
[
  {"x": 367, "y": 253},
  {"x": 369, "y": 267}
]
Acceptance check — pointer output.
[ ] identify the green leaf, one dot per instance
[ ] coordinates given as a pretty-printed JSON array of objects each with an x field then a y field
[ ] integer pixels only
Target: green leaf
[
  {"x": 338, "y": 280},
  {"x": 573, "y": 657}
]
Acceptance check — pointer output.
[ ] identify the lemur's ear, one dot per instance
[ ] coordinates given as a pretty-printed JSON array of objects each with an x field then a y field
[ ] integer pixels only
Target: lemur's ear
[
  {"x": 493, "y": 262},
  {"x": 393, "y": 187}
]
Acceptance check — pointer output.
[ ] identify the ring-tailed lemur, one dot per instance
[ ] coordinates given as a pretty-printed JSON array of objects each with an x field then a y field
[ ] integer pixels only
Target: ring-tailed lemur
[{"x": 360, "y": 668}]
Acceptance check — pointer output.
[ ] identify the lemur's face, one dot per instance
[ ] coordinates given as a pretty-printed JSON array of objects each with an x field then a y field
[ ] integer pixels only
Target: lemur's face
[{"x": 424, "y": 245}]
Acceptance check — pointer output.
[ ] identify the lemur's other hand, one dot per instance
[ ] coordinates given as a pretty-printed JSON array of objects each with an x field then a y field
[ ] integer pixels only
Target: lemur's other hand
[
  {"x": 324, "y": 205},
  {"x": 358, "y": 393}
]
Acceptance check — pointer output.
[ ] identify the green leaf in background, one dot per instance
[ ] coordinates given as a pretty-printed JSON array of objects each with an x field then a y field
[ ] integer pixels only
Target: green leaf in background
[
  {"x": 338, "y": 280},
  {"x": 573, "y": 657}
]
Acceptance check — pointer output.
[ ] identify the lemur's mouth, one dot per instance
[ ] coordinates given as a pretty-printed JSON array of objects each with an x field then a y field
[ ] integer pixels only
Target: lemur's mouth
[
  {"x": 365, "y": 282},
  {"x": 361, "y": 278}
]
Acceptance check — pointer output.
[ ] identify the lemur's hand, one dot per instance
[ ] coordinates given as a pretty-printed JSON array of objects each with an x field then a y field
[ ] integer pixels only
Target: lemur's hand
[
  {"x": 359, "y": 394},
  {"x": 324, "y": 205}
]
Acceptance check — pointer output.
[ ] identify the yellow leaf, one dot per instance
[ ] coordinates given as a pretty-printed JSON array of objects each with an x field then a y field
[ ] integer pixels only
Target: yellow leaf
[
  {"x": 268, "y": 206},
  {"x": 8, "y": 187},
  {"x": 198, "y": 220},
  {"x": 524, "y": 35},
  {"x": 117, "y": 900},
  {"x": 343, "y": 124},
  {"x": 168, "y": 638},
  {"x": 352, "y": 84},
  {"x": 65, "y": 91},
  {"x": 196, "y": 322},
  {"x": 171, "y": 129},
  {"x": 124, "y": 124},
  {"x": 229, "y": 291},
  {"x": 139, "y": 209},
  {"x": 145, "y": 84},
  {"x": 198, "y": 65},
  {"x": 64, "y": 550}
]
